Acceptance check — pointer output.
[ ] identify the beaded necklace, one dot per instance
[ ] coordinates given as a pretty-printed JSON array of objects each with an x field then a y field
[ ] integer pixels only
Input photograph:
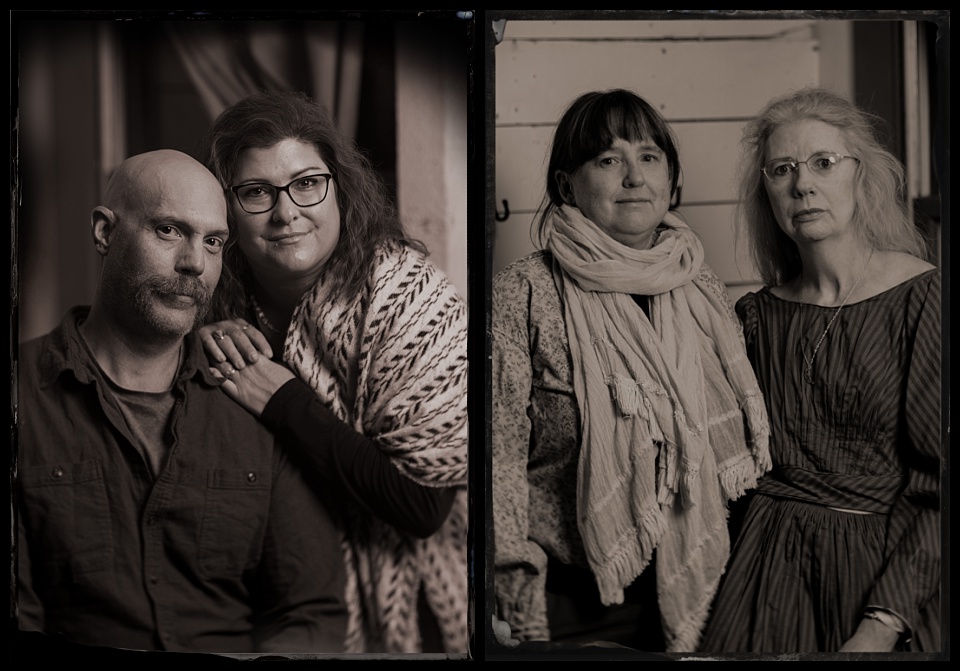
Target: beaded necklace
[{"x": 261, "y": 317}]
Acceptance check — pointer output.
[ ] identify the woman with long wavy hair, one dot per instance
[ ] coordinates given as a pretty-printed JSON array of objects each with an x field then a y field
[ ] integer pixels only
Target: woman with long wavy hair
[{"x": 328, "y": 319}]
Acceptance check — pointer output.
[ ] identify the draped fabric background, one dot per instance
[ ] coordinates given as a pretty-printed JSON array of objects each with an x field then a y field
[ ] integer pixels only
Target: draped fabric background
[
  {"x": 89, "y": 93},
  {"x": 321, "y": 58}
]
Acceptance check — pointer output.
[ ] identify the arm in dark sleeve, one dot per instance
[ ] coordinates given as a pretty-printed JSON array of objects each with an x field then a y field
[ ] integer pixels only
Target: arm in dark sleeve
[
  {"x": 350, "y": 463},
  {"x": 912, "y": 574},
  {"x": 298, "y": 590}
]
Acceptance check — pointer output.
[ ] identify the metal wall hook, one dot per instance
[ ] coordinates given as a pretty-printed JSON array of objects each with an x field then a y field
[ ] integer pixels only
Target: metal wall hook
[
  {"x": 506, "y": 211},
  {"x": 498, "y": 28}
]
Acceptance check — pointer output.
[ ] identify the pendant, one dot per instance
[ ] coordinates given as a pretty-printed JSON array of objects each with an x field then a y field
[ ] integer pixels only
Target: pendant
[{"x": 807, "y": 373}]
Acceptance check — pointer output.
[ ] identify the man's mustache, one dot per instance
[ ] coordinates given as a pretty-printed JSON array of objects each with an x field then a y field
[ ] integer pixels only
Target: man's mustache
[{"x": 183, "y": 286}]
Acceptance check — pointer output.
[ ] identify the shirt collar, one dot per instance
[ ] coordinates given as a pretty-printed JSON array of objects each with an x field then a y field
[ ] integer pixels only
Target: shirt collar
[{"x": 65, "y": 351}]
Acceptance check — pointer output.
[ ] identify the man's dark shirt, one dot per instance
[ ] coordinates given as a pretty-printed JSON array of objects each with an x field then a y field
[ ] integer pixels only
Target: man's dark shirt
[{"x": 227, "y": 550}]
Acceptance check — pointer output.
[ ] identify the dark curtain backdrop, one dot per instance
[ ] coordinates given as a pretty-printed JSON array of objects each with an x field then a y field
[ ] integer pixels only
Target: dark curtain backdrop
[
  {"x": 322, "y": 58},
  {"x": 159, "y": 84}
]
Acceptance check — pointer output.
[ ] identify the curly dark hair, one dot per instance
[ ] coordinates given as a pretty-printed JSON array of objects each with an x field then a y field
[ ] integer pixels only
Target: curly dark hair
[{"x": 368, "y": 216}]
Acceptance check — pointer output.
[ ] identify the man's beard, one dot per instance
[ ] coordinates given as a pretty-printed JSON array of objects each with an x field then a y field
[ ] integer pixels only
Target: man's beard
[{"x": 149, "y": 288}]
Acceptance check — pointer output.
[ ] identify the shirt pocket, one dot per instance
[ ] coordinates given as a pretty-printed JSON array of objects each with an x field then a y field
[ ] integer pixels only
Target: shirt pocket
[
  {"x": 235, "y": 511},
  {"x": 66, "y": 516}
]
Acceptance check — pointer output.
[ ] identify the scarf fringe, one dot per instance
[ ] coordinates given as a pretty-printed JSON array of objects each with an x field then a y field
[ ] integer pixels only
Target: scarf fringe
[
  {"x": 691, "y": 318},
  {"x": 626, "y": 393},
  {"x": 632, "y": 399},
  {"x": 631, "y": 557},
  {"x": 738, "y": 477},
  {"x": 679, "y": 476}
]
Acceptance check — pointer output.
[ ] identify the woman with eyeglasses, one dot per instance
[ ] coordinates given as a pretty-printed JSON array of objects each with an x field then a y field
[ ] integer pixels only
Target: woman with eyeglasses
[
  {"x": 625, "y": 412},
  {"x": 334, "y": 329},
  {"x": 839, "y": 546}
]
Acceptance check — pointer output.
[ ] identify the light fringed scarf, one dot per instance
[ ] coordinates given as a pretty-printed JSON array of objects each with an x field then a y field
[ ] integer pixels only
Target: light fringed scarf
[{"x": 673, "y": 422}]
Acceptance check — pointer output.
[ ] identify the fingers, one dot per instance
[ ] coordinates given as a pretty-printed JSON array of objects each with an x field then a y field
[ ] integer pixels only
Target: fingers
[
  {"x": 225, "y": 379},
  {"x": 244, "y": 344},
  {"x": 259, "y": 341},
  {"x": 235, "y": 341},
  {"x": 231, "y": 346},
  {"x": 211, "y": 335},
  {"x": 224, "y": 372}
]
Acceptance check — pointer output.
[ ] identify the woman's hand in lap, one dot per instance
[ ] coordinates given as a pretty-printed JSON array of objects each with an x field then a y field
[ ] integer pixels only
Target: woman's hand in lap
[{"x": 872, "y": 636}]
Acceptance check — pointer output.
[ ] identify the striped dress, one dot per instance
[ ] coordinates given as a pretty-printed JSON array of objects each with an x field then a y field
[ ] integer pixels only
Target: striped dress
[{"x": 864, "y": 436}]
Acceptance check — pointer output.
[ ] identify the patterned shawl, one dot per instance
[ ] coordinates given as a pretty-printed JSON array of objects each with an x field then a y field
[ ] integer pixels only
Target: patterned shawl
[
  {"x": 392, "y": 363},
  {"x": 673, "y": 422}
]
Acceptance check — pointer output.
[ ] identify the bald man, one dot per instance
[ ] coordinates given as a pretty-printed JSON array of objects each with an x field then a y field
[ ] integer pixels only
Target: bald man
[{"x": 154, "y": 513}]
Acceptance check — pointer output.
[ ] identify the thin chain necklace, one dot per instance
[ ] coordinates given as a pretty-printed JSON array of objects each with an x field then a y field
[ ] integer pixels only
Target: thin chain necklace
[
  {"x": 808, "y": 370},
  {"x": 261, "y": 317}
]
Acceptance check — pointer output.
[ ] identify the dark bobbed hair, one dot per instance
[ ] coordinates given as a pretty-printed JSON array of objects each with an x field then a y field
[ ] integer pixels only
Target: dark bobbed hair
[
  {"x": 589, "y": 127},
  {"x": 368, "y": 216},
  {"x": 880, "y": 215}
]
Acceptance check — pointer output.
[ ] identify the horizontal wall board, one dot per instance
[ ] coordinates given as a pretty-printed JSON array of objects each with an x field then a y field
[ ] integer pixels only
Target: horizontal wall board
[
  {"x": 720, "y": 28},
  {"x": 708, "y": 156},
  {"x": 728, "y": 256},
  {"x": 535, "y": 81},
  {"x": 512, "y": 241},
  {"x": 724, "y": 253}
]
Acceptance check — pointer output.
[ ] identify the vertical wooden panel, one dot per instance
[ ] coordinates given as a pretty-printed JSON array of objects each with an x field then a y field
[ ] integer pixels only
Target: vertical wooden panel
[{"x": 431, "y": 75}]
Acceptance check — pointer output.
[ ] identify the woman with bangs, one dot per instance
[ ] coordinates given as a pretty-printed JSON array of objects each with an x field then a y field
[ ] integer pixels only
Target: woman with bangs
[{"x": 625, "y": 414}]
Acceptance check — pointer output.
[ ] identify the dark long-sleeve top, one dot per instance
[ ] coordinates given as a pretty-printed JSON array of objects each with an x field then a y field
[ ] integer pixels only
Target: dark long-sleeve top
[
  {"x": 350, "y": 464},
  {"x": 866, "y": 435},
  {"x": 227, "y": 549}
]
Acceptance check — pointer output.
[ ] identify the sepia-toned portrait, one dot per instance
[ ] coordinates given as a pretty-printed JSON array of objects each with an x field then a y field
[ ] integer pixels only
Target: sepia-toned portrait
[
  {"x": 239, "y": 323},
  {"x": 717, "y": 419}
]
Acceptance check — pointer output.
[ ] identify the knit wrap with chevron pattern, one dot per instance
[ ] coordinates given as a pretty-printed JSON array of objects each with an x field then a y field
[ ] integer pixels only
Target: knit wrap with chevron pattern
[{"x": 392, "y": 363}]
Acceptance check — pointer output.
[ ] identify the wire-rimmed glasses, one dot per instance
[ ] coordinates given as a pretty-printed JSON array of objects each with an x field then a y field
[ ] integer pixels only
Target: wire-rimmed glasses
[{"x": 821, "y": 163}]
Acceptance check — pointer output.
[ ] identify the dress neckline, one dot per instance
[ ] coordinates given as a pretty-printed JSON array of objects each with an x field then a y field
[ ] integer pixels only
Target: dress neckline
[{"x": 895, "y": 287}]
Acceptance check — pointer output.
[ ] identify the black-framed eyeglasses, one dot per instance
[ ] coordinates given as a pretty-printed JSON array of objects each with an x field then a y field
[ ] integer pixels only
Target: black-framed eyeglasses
[
  {"x": 821, "y": 163},
  {"x": 306, "y": 191}
]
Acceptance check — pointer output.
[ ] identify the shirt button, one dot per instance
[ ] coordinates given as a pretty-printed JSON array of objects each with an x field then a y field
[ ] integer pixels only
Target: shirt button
[
  {"x": 154, "y": 580},
  {"x": 251, "y": 477},
  {"x": 57, "y": 472}
]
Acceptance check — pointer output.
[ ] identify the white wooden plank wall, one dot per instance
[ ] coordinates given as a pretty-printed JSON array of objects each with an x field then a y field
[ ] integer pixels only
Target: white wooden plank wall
[{"x": 706, "y": 77}]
